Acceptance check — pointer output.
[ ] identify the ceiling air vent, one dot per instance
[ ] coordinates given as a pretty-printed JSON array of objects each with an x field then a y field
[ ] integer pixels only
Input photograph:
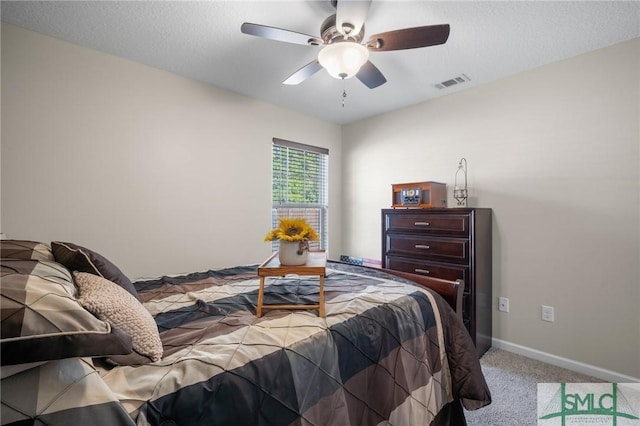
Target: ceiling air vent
[{"x": 453, "y": 81}]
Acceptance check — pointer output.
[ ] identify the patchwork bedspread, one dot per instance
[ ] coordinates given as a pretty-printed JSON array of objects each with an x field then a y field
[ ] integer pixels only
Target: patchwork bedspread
[
  {"x": 380, "y": 353},
  {"x": 387, "y": 352}
]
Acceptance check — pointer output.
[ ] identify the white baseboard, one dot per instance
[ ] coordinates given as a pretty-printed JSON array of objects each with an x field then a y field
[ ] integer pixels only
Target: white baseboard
[{"x": 569, "y": 364}]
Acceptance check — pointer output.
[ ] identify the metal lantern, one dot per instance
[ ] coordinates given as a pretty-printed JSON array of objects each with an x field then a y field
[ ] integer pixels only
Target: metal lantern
[{"x": 460, "y": 193}]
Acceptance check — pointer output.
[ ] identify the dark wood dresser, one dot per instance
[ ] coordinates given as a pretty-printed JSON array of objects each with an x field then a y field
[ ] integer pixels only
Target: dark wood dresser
[{"x": 453, "y": 243}]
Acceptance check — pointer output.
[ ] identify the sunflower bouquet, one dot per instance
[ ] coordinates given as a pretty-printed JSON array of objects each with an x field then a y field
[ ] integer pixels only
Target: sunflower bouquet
[{"x": 292, "y": 229}]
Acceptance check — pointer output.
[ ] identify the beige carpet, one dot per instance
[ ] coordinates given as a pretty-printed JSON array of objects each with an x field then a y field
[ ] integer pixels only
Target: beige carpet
[{"x": 513, "y": 381}]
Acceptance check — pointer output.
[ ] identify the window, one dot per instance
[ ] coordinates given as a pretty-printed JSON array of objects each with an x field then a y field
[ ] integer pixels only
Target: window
[{"x": 300, "y": 187}]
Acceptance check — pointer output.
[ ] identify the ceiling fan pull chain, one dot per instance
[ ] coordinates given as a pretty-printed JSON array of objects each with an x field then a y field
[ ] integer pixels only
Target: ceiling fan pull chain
[{"x": 344, "y": 91}]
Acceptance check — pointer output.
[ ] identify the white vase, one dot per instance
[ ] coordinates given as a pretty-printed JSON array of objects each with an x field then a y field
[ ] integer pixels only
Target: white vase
[{"x": 293, "y": 253}]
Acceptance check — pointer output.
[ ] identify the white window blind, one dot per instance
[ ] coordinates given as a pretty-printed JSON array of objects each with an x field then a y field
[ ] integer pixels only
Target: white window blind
[{"x": 300, "y": 187}]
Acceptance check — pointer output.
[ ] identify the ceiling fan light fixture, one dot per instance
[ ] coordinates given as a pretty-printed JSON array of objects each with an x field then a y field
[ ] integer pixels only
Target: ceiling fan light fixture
[{"x": 343, "y": 59}]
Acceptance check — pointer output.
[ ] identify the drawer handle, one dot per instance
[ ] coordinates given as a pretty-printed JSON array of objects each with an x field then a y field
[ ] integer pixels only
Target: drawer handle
[
  {"x": 422, "y": 271},
  {"x": 422, "y": 246},
  {"x": 421, "y": 223}
]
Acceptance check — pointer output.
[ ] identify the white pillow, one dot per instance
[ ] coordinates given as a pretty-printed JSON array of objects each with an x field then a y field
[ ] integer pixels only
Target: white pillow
[{"x": 113, "y": 304}]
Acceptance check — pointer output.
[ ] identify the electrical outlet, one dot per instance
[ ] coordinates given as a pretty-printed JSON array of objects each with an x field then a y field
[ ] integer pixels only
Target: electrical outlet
[
  {"x": 547, "y": 313},
  {"x": 503, "y": 304}
]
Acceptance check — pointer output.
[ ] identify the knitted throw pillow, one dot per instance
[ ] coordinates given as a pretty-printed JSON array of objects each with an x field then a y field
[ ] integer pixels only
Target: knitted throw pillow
[{"x": 113, "y": 304}]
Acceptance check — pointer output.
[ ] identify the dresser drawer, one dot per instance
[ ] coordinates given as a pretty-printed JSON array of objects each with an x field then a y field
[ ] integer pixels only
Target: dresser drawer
[
  {"x": 430, "y": 269},
  {"x": 450, "y": 224},
  {"x": 426, "y": 247}
]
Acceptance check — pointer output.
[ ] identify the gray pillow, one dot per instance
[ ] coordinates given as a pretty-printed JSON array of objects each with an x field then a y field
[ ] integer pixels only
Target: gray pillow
[
  {"x": 78, "y": 258},
  {"x": 42, "y": 320},
  {"x": 26, "y": 250}
]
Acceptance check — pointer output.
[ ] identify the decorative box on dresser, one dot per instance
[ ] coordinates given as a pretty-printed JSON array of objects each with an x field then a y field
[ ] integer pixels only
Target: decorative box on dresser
[{"x": 448, "y": 243}]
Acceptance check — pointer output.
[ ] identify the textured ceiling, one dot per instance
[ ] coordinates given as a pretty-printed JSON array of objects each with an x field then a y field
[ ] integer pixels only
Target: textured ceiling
[{"x": 202, "y": 41}]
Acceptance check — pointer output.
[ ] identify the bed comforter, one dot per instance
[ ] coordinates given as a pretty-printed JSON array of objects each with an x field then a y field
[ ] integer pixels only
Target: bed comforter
[{"x": 387, "y": 352}]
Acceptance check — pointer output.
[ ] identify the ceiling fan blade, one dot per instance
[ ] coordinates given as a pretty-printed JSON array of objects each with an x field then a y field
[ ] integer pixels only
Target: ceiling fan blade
[
  {"x": 303, "y": 73},
  {"x": 409, "y": 38},
  {"x": 371, "y": 76},
  {"x": 351, "y": 12},
  {"x": 279, "y": 34}
]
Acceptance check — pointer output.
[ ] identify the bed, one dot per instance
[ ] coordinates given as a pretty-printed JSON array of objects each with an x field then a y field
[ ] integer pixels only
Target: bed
[{"x": 82, "y": 344}]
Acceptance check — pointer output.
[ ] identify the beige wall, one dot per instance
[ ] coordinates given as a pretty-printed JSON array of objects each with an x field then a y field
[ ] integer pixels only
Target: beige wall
[
  {"x": 159, "y": 173},
  {"x": 554, "y": 153}
]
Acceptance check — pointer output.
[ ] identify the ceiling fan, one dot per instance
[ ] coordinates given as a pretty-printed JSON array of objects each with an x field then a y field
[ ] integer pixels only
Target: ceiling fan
[{"x": 343, "y": 54}]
